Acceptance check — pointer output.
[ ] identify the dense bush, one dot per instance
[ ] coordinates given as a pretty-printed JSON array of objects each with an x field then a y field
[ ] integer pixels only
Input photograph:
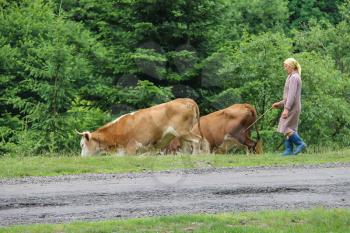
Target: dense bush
[
  {"x": 325, "y": 119},
  {"x": 46, "y": 59}
]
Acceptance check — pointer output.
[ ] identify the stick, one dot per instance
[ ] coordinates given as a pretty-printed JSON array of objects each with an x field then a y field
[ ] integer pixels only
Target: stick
[{"x": 258, "y": 119}]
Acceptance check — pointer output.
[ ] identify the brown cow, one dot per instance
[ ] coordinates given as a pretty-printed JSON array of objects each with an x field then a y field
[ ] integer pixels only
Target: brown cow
[
  {"x": 224, "y": 129},
  {"x": 146, "y": 130}
]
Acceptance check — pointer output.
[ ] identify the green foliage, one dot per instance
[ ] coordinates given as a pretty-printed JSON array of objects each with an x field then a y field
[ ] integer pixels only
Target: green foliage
[
  {"x": 328, "y": 40},
  {"x": 260, "y": 15},
  {"x": 344, "y": 10},
  {"x": 226, "y": 98},
  {"x": 256, "y": 62},
  {"x": 146, "y": 94},
  {"x": 326, "y": 109},
  {"x": 254, "y": 17},
  {"x": 303, "y": 11},
  {"x": 52, "y": 58}
]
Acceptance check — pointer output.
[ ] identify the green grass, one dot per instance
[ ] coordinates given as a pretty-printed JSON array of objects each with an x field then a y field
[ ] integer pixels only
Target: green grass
[
  {"x": 311, "y": 221},
  {"x": 60, "y": 165}
]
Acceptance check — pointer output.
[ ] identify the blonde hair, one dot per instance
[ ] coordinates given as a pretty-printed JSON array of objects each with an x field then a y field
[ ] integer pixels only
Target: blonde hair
[{"x": 293, "y": 63}]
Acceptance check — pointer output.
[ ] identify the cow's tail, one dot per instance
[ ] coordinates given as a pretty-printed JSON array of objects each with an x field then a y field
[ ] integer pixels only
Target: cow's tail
[
  {"x": 199, "y": 124},
  {"x": 258, "y": 144},
  {"x": 201, "y": 140},
  {"x": 255, "y": 115}
]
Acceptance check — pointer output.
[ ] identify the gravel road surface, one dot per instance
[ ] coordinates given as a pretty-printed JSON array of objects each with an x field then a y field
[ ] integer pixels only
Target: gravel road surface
[{"x": 111, "y": 196}]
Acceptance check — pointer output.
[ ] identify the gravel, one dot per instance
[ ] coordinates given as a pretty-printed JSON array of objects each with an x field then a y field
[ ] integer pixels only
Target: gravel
[{"x": 92, "y": 197}]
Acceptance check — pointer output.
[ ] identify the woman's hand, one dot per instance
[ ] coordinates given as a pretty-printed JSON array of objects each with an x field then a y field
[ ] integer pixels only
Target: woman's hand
[
  {"x": 285, "y": 113},
  {"x": 276, "y": 105}
]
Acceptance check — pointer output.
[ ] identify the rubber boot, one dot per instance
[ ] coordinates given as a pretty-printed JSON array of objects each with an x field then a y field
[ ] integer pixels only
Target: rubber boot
[
  {"x": 296, "y": 139},
  {"x": 288, "y": 145}
]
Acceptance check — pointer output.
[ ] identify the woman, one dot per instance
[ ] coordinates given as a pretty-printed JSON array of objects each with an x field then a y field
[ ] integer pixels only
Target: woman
[{"x": 291, "y": 104}]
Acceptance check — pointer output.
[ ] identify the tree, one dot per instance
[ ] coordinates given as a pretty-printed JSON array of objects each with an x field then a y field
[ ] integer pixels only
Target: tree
[
  {"x": 328, "y": 40},
  {"x": 301, "y": 12},
  {"x": 159, "y": 41},
  {"x": 52, "y": 58},
  {"x": 252, "y": 17}
]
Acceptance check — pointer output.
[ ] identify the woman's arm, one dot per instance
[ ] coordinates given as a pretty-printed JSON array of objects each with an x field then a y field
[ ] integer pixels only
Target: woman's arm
[{"x": 279, "y": 104}]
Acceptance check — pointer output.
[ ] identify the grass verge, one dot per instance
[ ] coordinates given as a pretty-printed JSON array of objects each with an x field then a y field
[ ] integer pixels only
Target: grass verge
[
  {"x": 311, "y": 221},
  {"x": 62, "y": 165}
]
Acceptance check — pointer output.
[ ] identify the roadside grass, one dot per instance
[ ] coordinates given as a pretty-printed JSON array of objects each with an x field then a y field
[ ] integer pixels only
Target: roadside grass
[
  {"x": 317, "y": 220},
  {"x": 18, "y": 166}
]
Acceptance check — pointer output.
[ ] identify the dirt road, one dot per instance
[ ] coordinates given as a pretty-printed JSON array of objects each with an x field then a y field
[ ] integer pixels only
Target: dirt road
[{"x": 110, "y": 196}]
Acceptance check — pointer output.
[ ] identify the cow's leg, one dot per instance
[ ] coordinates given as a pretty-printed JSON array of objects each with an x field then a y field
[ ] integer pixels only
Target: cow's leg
[
  {"x": 146, "y": 149},
  {"x": 247, "y": 142},
  {"x": 228, "y": 143},
  {"x": 185, "y": 146},
  {"x": 173, "y": 147},
  {"x": 205, "y": 146},
  {"x": 243, "y": 139},
  {"x": 250, "y": 145},
  {"x": 190, "y": 141},
  {"x": 120, "y": 152},
  {"x": 165, "y": 140},
  {"x": 131, "y": 148},
  {"x": 167, "y": 137}
]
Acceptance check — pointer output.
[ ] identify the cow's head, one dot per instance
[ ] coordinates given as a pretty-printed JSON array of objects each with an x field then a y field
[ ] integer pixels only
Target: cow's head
[
  {"x": 89, "y": 145},
  {"x": 254, "y": 147}
]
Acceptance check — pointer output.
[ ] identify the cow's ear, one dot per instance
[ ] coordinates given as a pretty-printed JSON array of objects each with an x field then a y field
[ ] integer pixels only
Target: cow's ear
[{"x": 87, "y": 136}]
